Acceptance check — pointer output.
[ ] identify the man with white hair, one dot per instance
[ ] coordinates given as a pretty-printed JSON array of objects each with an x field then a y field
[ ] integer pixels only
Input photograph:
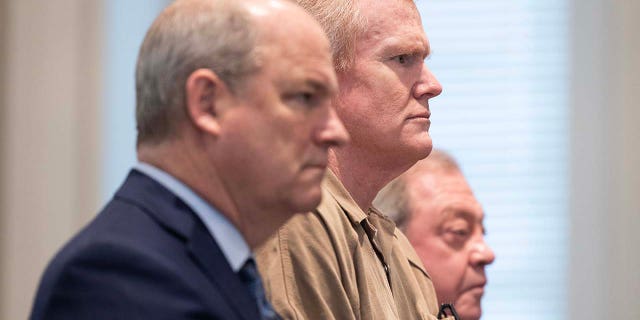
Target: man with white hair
[{"x": 435, "y": 207}]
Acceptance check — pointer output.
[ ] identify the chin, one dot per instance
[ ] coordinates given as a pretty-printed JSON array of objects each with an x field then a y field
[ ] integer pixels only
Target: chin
[
  {"x": 421, "y": 151},
  {"x": 469, "y": 315},
  {"x": 468, "y": 305},
  {"x": 427, "y": 144},
  {"x": 421, "y": 146},
  {"x": 468, "y": 312},
  {"x": 307, "y": 201},
  {"x": 426, "y": 151}
]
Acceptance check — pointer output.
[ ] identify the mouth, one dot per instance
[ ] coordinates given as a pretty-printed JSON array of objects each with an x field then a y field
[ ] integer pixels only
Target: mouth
[
  {"x": 478, "y": 288},
  {"x": 316, "y": 165},
  {"x": 476, "y": 291},
  {"x": 423, "y": 115}
]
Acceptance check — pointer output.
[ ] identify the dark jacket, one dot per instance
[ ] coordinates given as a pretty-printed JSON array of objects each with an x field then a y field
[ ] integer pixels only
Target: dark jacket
[{"x": 145, "y": 256}]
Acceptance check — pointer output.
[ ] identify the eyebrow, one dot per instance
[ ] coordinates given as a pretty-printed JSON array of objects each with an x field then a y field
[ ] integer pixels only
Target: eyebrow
[
  {"x": 393, "y": 47},
  {"x": 464, "y": 214},
  {"x": 318, "y": 85},
  {"x": 425, "y": 52}
]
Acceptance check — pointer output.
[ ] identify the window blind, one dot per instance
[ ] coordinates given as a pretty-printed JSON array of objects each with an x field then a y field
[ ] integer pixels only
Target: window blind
[
  {"x": 503, "y": 115},
  {"x": 125, "y": 24}
]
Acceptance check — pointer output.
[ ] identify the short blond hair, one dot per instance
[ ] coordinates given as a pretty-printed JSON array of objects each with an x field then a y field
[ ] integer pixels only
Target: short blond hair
[{"x": 342, "y": 22}]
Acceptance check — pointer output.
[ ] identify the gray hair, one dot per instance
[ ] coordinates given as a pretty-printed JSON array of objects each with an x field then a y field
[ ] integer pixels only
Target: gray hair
[
  {"x": 188, "y": 35},
  {"x": 393, "y": 200}
]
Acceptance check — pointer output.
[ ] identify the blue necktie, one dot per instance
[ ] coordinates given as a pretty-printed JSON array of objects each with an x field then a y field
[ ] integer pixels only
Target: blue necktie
[{"x": 251, "y": 278}]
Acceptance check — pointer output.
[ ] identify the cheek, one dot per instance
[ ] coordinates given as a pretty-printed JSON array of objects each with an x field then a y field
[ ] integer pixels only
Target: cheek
[
  {"x": 389, "y": 95},
  {"x": 372, "y": 117},
  {"x": 299, "y": 140},
  {"x": 445, "y": 265},
  {"x": 266, "y": 146},
  {"x": 285, "y": 150},
  {"x": 447, "y": 278},
  {"x": 378, "y": 92}
]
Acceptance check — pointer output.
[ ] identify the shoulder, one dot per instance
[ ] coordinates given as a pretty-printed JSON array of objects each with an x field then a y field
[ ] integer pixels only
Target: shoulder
[
  {"x": 110, "y": 278},
  {"x": 325, "y": 228},
  {"x": 123, "y": 265},
  {"x": 306, "y": 263},
  {"x": 409, "y": 252},
  {"x": 306, "y": 239},
  {"x": 418, "y": 283}
]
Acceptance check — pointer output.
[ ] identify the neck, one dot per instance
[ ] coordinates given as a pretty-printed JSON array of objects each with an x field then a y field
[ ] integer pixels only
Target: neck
[
  {"x": 362, "y": 174},
  {"x": 185, "y": 163},
  {"x": 189, "y": 161}
]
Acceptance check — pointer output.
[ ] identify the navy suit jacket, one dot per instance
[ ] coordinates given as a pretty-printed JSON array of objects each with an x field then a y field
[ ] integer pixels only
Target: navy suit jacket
[{"x": 145, "y": 256}]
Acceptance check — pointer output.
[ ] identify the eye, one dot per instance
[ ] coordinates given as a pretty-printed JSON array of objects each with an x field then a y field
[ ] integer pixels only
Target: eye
[
  {"x": 407, "y": 59},
  {"x": 307, "y": 98},
  {"x": 459, "y": 232},
  {"x": 456, "y": 237},
  {"x": 402, "y": 59},
  {"x": 303, "y": 99}
]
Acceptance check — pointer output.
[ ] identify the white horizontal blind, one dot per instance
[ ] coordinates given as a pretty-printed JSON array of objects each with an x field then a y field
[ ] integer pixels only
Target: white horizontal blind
[
  {"x": 126, "y": 23},
  {"x": 503, "y": 115}
]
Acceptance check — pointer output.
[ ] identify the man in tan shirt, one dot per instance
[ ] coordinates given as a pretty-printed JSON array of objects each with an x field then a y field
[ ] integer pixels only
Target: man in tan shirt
[{"x": 345, "y": 260}]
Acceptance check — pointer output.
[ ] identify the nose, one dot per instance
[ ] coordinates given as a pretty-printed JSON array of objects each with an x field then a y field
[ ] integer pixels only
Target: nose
[
  {"x": 332, "y": 133},
  {"x": 482, "y": 254},
  {"x": 427, "y": 85}
]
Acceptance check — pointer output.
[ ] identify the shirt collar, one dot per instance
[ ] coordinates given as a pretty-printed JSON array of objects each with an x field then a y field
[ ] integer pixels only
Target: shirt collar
[
  {"x": 233, "y": 246},
  {"x": 333, "y": 185},
  {"x": 337, "y": 190}
]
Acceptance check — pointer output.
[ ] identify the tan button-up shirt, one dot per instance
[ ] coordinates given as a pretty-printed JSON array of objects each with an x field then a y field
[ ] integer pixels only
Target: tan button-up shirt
[{"x": 340, "y": 263}]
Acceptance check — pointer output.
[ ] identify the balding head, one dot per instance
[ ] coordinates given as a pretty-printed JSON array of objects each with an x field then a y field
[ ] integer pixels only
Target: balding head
[
  {"x": 444, "y": 222},
  {"x": 394, "y": 199},
  {"x": 189, "y": 34},
  {"x": 234, "y": 100}
]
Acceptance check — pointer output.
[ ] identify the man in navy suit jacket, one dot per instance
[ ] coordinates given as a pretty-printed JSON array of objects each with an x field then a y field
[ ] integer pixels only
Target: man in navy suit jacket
[{"x": 234, "y": 123}]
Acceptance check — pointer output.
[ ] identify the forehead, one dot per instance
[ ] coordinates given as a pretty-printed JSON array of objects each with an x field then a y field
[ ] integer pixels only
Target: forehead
[
  {"x": 293, "y": 49},
  {"x": 391, "y": 23},
  {"x": 284, "y": 25},
  {"x": 446, "y": 194}
]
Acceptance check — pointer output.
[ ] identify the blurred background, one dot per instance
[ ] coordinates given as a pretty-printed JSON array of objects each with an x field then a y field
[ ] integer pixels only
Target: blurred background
[{"x": 540, "y": 104}]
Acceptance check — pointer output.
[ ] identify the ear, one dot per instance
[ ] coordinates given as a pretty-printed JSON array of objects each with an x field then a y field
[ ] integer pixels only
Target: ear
[{"x": 204, "y": 92}]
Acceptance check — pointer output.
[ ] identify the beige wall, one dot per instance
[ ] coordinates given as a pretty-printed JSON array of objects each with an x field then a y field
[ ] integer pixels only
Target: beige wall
[
  {"x": 605, "y": 163},
  {"x": 3, "y": 118},
  {"x": 50, "y": 136}
]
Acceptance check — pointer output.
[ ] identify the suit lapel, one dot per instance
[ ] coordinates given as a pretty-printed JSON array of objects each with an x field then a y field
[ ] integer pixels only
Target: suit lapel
[
  {"x": 213, "y": 264},
  {"x": 177, "y": 217}
]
